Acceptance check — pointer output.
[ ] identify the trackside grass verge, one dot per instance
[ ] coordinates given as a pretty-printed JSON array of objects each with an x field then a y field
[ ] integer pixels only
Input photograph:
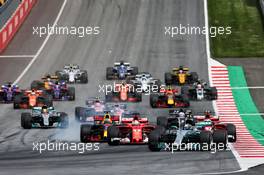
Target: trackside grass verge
[{"x": 247, "y": 38}]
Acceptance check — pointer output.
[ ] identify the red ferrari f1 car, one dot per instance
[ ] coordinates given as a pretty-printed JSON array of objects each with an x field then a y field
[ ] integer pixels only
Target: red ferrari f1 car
[{"x": 133, "y": 129}]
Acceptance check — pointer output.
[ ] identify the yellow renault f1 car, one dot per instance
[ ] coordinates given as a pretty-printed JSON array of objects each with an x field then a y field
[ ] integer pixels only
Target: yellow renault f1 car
[{"x": 180, "y": 76}]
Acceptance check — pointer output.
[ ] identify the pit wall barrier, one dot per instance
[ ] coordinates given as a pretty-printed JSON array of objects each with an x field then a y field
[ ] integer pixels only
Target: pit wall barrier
[{"x": 13, "y": 24}]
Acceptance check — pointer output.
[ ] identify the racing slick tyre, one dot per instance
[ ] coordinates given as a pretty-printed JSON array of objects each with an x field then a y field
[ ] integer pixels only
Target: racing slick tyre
[
  {"x": 109, "y": 73},
  {"x": 213, "y": 95},
  {"x": 1, "y": 96},
  {"x": 154, "y": 138},
  {"x": 206, "y": 140},
  {"x": 17, "y": 101},
  {"x": 84, "y": 132},
  {"x": 231, "y": 130},
  {"x": 193, "y": 77},
  {"x": 156, "y": 86},
  {"x": 134, "y": 71},
  {"x": 162, "y": 121},
  {"x": 26, "y": 120},
  {"x": 112, "y": 132},
  {"x": 79, "y": 113},
  {"x": 84, "y": 77},
  {"x": 64, "y": 123},
  {"x": 71, "y": 93},
  {"x": 153, "y": 99},
  {"x": 168, "y": 78},
  {"x": 61, "y": 76},
  {"x": 220, "y": 137},
  {"x": 37, "y": 85}
]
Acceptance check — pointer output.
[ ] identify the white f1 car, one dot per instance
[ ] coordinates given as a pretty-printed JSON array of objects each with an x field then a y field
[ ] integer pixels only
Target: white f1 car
[
  {"x": 200, "y": 91},
  {"x": 72, "y": 74},
  {"x": 146, "y": 83}
]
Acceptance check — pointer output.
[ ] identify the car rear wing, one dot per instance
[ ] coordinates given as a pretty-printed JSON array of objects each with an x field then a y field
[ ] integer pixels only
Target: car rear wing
[
  {"x": 53, "y": 77},
  {"x": 175, "y": 111},
  {"x": 130, "y": 120},
  {"x": 201, "y": 118},
  {"x": 27, "y": 92},
  {"x": 101, "y": 118},
  {"x": 91, "y": 101},
  {"x": 177, "y": 69},
  {"x": 174, "y": 90},
  {"x": 110, "y": 106},
  {"x": 141, "y": 74},
  {"x": 119, "y": 63},
  {"x": 128, "y": 87}
]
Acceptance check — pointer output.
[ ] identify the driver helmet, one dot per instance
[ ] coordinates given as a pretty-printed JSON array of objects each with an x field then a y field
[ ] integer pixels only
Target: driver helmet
[
  {"x": 107, "y": 119},
  {"x": 207, "y": 114},
  {"x": 123, "y": 83},
  {"x": 121, "y": 63},
  {"x": 33, "y": 92},
  {"x": 48, "y": 77},
  {"x": 181, "y": 113},
  {"x": 169, "y": 89},
  {"x": 9, "y": 85},
  {"x": 135, "y": 120},
  {"x": 44, "y": 109},
  {"x": 188, "y": 126}
]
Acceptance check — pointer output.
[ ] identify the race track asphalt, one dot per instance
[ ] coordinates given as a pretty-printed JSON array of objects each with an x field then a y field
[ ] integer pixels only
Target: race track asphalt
[{"x": 132, "y": 30}]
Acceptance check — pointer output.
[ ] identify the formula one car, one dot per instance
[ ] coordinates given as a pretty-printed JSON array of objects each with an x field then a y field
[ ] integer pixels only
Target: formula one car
[
  {"x": 183, "y": 131},
  {"x": 200, "y": 91},
  {"x": 46, "y": 82},
  {"x": 32, "y": 98},
  {"x": 96, "y": 129},
  {"x": 8, "y": 92},
  {"x": 44, "y": 117},
  {"x": 144, "y": 82},
  {"x": 121, "y": 71},
  {"x": 95, "y": 105},
  {"x": 72, "y": 74},
  {"x": 210, "y": 122},
  {"x": 180, "y": 76},
  {"x": 123, "y": 93},
  {"x": 133, "y": 129},
  {"x": 60, "y": 91},
  {"x": 170, "y": 98}
]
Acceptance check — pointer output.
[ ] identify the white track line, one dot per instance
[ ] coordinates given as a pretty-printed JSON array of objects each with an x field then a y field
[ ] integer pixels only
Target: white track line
[
  {"x": 249, "y": 87},
  {"x": 17, "y": 56},
  {"x": 253, "y": 114},
  {"x": 42, "y": 46}
]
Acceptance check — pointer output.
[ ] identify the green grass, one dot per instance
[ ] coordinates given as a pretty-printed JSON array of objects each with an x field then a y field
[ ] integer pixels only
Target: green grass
[{"x": 247, "y": 38}]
